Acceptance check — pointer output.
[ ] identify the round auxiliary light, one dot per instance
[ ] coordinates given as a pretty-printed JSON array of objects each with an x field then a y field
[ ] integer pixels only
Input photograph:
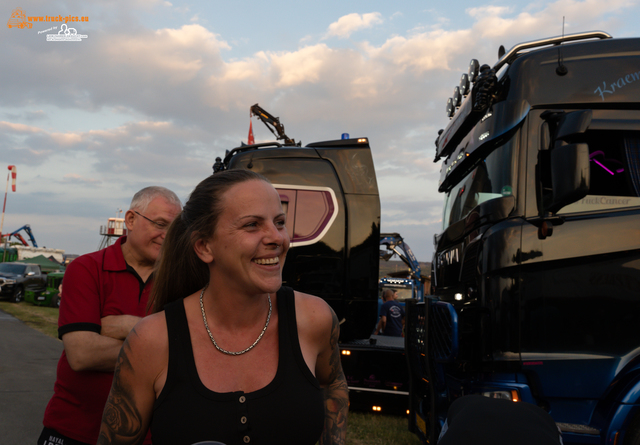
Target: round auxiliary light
[
  {"x": 451, "y": 109},
  {"x": 474, "y": 69},
  {"x": 464, "y": 85},
  {"x": 457, "y": 97}
]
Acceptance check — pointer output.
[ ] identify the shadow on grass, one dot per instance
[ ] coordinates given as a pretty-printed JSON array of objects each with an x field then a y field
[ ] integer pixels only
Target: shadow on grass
[{"x": 376, "y": 429}]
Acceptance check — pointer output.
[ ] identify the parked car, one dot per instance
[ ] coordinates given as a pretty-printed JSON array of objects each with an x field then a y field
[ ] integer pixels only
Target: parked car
[
  {"x": 51, "y": 295},
  {"x": 16, "y": 278}
]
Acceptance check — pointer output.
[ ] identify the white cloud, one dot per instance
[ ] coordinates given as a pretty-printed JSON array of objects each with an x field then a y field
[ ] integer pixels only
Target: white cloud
[
  {"x": 74, "y": 178},
  {"x": 66, "y": 139},
  {"x": 177, "y": 55},
  {"x": 348, "y": 24},
  {"x": 488, "y": 11},
  {"x": 535, "y": 22},
  {"x": 423, "y": 52},
  {"x": 304, "y": 65},
  {"x": 18, "y": 128},
  {"x": 186, "y": 97}
]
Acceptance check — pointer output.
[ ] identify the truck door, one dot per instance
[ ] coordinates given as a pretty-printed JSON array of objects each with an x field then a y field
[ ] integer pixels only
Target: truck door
[
  {"x": 31, "y": 277},
  {"x": 581, "y": 285}
]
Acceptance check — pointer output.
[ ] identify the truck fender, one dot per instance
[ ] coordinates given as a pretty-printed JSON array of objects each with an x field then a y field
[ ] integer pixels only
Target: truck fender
[
  {"x": 621, "y": 418},
  {"x": 632, "y": 395},
  {"x": 626, "y": 405}
]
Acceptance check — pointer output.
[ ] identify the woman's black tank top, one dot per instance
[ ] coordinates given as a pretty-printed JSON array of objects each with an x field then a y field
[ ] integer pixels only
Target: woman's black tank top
[{"x": 289, "y": 410}]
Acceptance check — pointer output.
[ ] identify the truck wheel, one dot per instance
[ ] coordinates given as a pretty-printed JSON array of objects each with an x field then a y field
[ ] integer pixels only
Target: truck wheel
[
  {"x": 56, "y": 301},
  {"x": 18, "y": 295}
]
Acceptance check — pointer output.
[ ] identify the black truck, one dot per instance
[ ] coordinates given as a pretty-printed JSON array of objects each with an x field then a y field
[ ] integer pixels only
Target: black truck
[
  {"x": 330, "y": 196},
  {"x": 536, "y": 273},
  {"x": 17, "y": 278},
  {"x": 329, "y": 193}
]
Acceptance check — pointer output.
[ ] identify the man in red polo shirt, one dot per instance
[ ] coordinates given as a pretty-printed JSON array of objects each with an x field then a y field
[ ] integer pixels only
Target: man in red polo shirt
[{"x": 105, "y": 294}]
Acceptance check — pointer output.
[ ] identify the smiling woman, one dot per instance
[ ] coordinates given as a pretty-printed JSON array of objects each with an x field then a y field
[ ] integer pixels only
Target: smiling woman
[{"x": 230, "y": 355}]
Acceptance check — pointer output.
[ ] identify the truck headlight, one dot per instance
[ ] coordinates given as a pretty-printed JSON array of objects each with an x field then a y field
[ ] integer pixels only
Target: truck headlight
[{"x": 503, "y": 394}]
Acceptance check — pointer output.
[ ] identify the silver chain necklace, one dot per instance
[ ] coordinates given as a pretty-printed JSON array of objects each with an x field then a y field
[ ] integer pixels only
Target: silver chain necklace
[{"x": 224, "y": 351}]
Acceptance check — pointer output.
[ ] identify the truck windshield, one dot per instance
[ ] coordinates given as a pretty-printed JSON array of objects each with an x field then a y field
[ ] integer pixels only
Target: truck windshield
[
  {"x": 492, "y": 178},
  {"x": 402, "y": 293},
  {"x": 12, "y": 268}
]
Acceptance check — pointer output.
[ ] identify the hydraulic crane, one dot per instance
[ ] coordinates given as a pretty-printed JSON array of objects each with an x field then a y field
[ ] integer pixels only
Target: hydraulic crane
[
  {"x": 26, "y": 228},
  {"x": 272, "y": 121},
  {"x": 396, "y": 245}
]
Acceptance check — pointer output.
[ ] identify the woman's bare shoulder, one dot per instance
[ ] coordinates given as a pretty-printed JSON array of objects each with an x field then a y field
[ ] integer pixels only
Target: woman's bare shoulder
[
  {"x": 146, "y": 350},
  {"x": 310, "y": 302},
  {"x": 150, "y": 332},
  {"x": 313, "y": 312}
]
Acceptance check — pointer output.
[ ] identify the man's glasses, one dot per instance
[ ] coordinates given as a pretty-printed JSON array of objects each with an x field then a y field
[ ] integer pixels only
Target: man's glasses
[{"x": 158, "y": 225}]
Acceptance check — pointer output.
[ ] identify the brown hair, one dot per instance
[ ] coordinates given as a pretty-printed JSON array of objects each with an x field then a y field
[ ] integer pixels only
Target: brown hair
[{"x": 179, "y": 271}]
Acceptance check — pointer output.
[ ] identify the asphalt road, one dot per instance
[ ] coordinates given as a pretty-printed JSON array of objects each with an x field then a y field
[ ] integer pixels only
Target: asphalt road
[{"x": 28, "y": 361}]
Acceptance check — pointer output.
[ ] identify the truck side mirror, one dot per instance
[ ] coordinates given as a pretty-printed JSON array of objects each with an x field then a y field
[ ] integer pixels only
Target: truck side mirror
[
  {"x": 569, "y": 175},
  {"x": 572, "y": 124},
  {"x": 568, "y": 159}
]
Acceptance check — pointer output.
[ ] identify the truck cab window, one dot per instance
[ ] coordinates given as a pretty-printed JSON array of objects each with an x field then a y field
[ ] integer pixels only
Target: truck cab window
[
  {"x": 614, "y": 170},
  {"x": 492, "y": 178},
  {"x": 309, "y": 213}
]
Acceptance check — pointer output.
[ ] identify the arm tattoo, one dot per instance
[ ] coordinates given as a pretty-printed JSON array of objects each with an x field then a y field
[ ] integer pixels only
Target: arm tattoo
[
  {"x": 336, "y": 395},
  {"x": 121, "y": 421}
]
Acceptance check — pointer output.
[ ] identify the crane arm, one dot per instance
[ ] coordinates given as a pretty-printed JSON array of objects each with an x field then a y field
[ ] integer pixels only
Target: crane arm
[
  {"x": 396, "y": 245},
  {"x": 17, "y": 235},
  {"x": 272, "y": 123},
  {"x": 26, "y": 228}
]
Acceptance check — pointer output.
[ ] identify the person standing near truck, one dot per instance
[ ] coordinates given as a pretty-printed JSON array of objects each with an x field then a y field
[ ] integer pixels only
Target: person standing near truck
[
  {"x": 230, "y": 355},
  {"x": 105, "y": 294},
  {"x": 391, "y": 315}
]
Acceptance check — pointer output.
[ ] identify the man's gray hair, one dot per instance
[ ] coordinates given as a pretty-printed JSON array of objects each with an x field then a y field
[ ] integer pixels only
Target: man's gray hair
[{"x": 143, "y": 198}]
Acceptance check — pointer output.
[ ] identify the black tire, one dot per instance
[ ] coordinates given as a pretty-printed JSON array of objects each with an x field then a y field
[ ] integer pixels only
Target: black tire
[
  {"x": 56, "y": 301},
  {"x": 632, "y": 435},
  {"x": 18, "y": 295}
]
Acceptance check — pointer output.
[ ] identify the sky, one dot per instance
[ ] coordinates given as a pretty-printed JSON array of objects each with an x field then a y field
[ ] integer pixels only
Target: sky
[{"x": 153, "y": 91}]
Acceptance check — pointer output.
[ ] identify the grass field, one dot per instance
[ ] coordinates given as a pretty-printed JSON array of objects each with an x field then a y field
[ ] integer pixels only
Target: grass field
[
  {"x": 43, "y": 319},
  {"x": 364, "y": 428}
]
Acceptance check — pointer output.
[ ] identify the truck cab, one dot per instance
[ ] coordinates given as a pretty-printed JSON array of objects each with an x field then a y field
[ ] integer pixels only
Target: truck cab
[
  {"x": 330, "y": 195},
  {"x": 536, "y": 271}
]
